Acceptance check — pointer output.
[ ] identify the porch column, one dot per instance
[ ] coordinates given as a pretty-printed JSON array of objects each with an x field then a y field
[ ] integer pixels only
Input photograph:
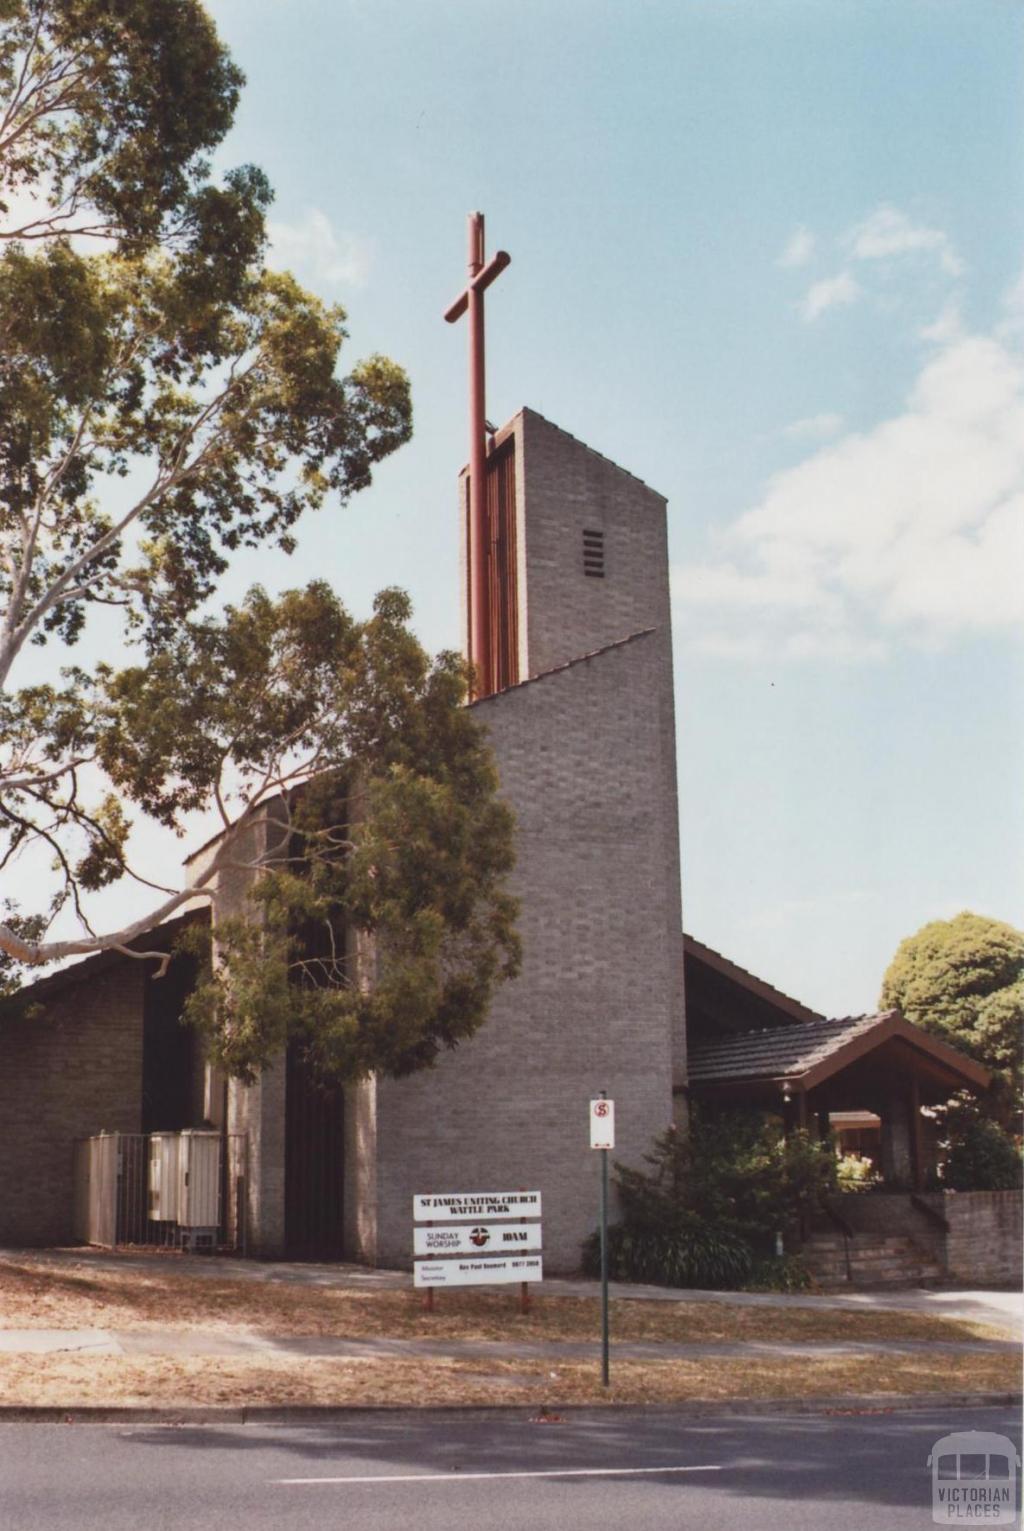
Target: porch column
[
  {"x": 897, "y": 1168},
  {"x": 917, "y": 1150}
]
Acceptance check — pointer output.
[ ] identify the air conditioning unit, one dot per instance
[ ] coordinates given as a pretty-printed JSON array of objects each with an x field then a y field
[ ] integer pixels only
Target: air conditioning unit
[
  {"x": 184, "y": 1185},
  {"x": 199, "y": 1188},
  {"x": 164, "y": 1176}
]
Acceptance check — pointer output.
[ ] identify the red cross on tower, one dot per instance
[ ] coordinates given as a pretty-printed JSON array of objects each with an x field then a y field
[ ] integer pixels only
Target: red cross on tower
[{"x": 471, "y": 298}]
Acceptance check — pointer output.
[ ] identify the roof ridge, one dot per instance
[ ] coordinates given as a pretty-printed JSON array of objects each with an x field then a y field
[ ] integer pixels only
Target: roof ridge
[
  {"x": 737, "y": 1037},
  {"x": 568, "y": 664}
]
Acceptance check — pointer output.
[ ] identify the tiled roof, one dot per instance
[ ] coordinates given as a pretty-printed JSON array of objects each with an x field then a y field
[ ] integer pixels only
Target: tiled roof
[{"x": 777, "y": 1052}]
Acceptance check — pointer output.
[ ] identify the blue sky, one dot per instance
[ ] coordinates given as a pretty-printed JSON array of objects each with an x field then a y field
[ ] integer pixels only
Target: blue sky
[{"x": 766, "y": 254}]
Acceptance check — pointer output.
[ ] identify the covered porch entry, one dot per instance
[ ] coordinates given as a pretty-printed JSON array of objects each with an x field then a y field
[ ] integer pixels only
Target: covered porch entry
[
  {"x": 810, "y": 1071},
  {"x": 820, "y": 1075}
]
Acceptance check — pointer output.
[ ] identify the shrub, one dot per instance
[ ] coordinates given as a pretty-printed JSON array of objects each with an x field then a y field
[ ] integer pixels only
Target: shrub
[
  {"x": 785, "y": 1273},
  {"x": 696, "y": 1254},
  {"x": 976, "y": 1153},
  {"x": 706, "y": 1208},
  {"x": 854, "y": 1173}
]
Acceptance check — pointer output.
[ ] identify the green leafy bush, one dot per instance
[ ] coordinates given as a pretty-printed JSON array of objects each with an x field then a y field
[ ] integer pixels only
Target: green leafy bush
[
  {"x": 977, "y": 1154},
  {"x": 705, "y": 1210},
  {"x": 784, "y": 1273},
  {"x": 854, "y": 1173},
  {"x": 692, "y": 1254}
]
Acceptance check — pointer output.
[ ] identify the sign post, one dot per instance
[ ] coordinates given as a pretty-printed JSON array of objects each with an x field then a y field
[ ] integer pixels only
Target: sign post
[{"x": 602, "y": 1137}]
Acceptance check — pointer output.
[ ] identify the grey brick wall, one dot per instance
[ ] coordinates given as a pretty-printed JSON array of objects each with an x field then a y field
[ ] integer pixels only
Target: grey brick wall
[
  {"x": 580, "y": 761},
  {"x": 564, "y": 488},
  {"x": 983, "y": 1242},
  {"x": 984, "y": 1239},
  {"x": 586, "y": 756},
  {"x": 72, "y": 1071}
]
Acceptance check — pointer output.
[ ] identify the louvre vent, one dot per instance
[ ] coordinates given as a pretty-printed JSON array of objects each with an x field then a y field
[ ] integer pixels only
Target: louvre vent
[{"x": 593, "y": 554}]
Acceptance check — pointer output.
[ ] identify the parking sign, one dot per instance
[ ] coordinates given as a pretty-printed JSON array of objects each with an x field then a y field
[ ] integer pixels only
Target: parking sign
[{"x": 602, "y": 1123}]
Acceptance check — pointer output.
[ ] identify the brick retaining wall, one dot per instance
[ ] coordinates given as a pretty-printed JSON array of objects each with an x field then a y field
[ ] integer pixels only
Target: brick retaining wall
[{"x": 982, "y": 1243}]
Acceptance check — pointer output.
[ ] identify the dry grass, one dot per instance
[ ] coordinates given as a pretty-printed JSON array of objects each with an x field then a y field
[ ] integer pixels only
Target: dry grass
[
  {"x": 73, "y": 1381},
  {"x": 37, "y": 1294}
]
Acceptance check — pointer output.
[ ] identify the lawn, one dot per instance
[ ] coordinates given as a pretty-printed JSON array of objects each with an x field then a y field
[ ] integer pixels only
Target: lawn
[
  {"x": 40, "y": 1291},
  {"x": 166, "y": 1382}
]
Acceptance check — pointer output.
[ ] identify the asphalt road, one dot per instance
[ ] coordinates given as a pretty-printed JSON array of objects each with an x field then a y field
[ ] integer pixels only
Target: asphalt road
[{"x": 645, "y": 1471}]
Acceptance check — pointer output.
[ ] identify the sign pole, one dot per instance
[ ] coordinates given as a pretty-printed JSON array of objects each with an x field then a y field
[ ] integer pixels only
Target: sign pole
[
  {"x": 604, "y": 1267},
  {"x": 602, "y": 1137}
]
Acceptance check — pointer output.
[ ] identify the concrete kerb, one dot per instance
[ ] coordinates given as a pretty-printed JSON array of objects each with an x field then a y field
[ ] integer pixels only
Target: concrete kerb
[{"x": 551, "y": 1413}]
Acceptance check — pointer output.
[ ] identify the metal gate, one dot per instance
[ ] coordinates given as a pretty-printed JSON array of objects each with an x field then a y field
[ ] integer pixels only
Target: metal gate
[{"x": 163, "y": 1190}]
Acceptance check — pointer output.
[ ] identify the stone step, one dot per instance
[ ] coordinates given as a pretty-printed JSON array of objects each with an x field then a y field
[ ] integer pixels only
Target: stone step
[{"x": 868, "y": 1260}]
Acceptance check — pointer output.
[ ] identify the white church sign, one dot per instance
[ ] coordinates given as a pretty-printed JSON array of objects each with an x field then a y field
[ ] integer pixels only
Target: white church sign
[
  {"x": 478, "y": 1204},
  {"x": 481, "y": 1239},
  {"x": 476, "y": 1239},
  {"x": 431, "y": 1273}
]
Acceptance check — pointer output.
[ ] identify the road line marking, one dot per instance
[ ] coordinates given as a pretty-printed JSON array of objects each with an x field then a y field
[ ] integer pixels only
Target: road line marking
[{"x": 552, "y": 1472}]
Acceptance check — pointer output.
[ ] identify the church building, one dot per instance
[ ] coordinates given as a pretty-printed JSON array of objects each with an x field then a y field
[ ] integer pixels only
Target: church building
[{"x": 565, "y": 586}]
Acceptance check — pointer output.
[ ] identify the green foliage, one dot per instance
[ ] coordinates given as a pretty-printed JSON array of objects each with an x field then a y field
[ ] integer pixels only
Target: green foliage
[
  {"x": 712, "y": 1199},
  {"x": 780, "y": 1273},
  {"x": 854, "y": 1173},
  {"x": 963, "y": 980},
  {"x": 27, "y": 927},
  {"x": 165, "y": 402},
  {"x": 379, "y": 926},
  {"x": 693, "y": 1254},
  {"x": 976, "y": 1153},
  {"x": 110, "y": 107}
]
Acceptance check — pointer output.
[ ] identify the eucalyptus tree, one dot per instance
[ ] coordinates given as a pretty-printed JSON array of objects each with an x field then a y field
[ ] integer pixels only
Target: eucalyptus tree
[{"x": 165, "y": 402}]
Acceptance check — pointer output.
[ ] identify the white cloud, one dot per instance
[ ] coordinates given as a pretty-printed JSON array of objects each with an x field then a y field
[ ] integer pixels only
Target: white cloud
[
  {"x": 946, "y": 326},
  {"x": 834, "y": 292},
  {"x": 1013, "y": 308},
  {"x": 887, "y": 232},
  {"x": 913, "y": 530},
  {"x": 814, "y": 427},
  {"x": 799, "y": 250},
  {"x": 316, "y": 251}
]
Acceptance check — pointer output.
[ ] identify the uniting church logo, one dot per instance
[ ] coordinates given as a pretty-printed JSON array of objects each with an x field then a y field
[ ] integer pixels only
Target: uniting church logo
[{"x": 974, "y": 1479}]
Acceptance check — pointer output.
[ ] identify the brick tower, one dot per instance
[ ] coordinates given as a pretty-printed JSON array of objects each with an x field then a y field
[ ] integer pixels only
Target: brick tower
[{"x": 579, "y": 707}]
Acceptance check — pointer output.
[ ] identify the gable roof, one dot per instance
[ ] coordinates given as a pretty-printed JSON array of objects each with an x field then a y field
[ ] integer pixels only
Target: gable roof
[
  {"x": 696, "y": 950},
  {"x": 160, "y": 938},
  {"x": 806, "y": 1055}
]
